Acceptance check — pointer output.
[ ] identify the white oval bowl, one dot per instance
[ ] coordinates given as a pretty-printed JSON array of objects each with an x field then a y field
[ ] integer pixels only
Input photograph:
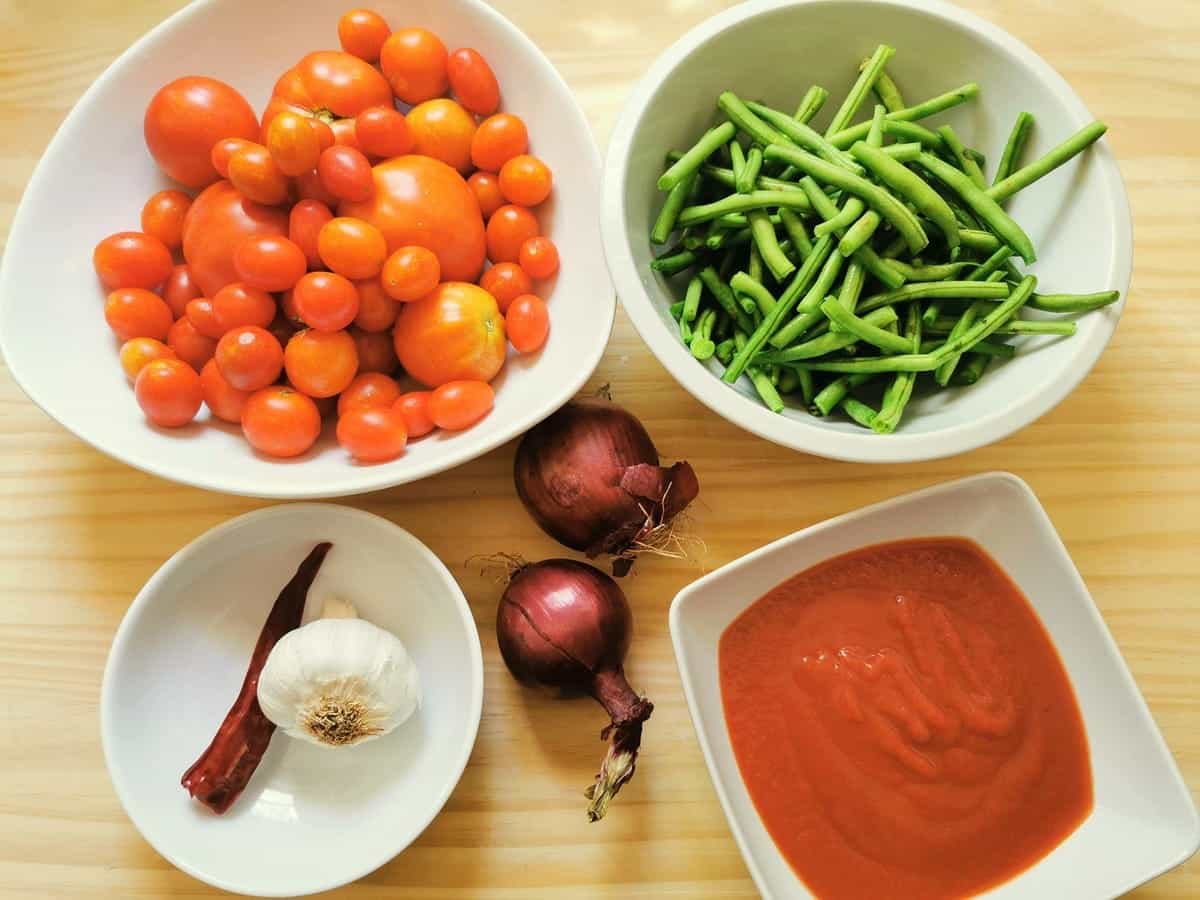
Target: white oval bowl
[
  {"x": 773, "y": 50},
  {"x": 50, "y": 297},
  {"x": 311, "y": 818}
]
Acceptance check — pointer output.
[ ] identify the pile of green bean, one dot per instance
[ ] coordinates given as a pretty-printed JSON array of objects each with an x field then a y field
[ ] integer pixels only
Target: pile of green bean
[{"x": 821, "y": 263}]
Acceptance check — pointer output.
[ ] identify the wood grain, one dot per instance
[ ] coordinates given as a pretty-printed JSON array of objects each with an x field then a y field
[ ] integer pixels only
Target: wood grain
[{"x": 1116, "y": 466}]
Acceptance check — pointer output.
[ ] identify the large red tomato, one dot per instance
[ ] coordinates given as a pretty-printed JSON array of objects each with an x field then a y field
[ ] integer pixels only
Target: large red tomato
[
  {"x": 422, "y": 201},
  {"x": 220, "y": 218},
  {"x": 186, "y": 117},
  {"x": 328, "y": 85}
]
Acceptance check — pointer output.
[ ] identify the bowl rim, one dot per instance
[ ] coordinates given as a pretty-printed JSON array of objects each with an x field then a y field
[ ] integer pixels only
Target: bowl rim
[
  {"x": 195, "y": 550},
  {"x": 1056, "y": 547},
  {"x": 356, "y": 479},
  {"x": 798, "y": 433}
]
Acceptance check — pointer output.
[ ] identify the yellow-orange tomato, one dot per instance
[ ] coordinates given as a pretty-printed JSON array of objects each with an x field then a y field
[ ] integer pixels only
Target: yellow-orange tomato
[
  {"x": 497, "y": 140},
  {"x": 525, "y": 180},
  {"x": 321, "y": 363},
  {"x": 454, "y": 333},
  {"x": 444, "y": 130},
  {"x": 163, "y": 215},
  {"x": 414, "y": 62},
  {"x": 351, "y": 247},
  {"x": 138, "y": 352}
]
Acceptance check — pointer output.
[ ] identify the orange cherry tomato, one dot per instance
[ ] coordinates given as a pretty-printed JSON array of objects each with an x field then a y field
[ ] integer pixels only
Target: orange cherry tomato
[
  {"x": 376, "y": 351},
  {"x": 304, "y": 224},
  {"x": 539, "y": 257},
  {"x": 186, "y": 118},
  {"x": 352, "y": 247},
  {"x": 280, "y": 421},
  {"x": 376, "y": 310},
  {"x": 444, "y": 130},
  {"x": 525, "y": 180},
  {"x": 362, "y": 33},
  {"x": 507, "y": 229},
  {"x": 346, "y": 173},
  {"x": 309, "y": 187},
  {"x": 131, "y": 259},
  {"x": 460, "y": 404},
  {"x": 203, "y": 317},
  {"x": 238, "y": 305},
  {"x": 163, "y": 215},
  {"x": 328, "y": 84},
  {"x": 321, "y": 363},
  {"x": 189, "y": 344},
  {"x": 220, "y": 218},
  {"x": 325, "y": 301},
  {"x": 383, "y": 131},
  {"x": 414, "y": 406},
  {"x": 486, "y": 187},
  {"x": 506, "y": 281},
  {"x": 249, "y": 357},
  {"x": 136, "y": 353},
  {"x": 422, "y": 201},
  {"x": 168, "y": 391},
  {"x": 527, "y": 323},
  {"x": 372, "y": 434},
  {"x": 293, "y": 142},
  {"x": 137, "y": 313},
  {"x": 414, "y": 62},
  {"x": 497, "y": 140},
  {"x": 256, "y": 176},
  {"x": 473, "y": 81},
  {"x": 410, "y": 273},
  {"x": 455, "y": 332},
  {"x": 222, "y": 399},
  {"x": 368, "y": 389},
  {"x": 179, "y": 288},
  {"x": 223, "y": 151},
  {"x": 269, "y": 262}
]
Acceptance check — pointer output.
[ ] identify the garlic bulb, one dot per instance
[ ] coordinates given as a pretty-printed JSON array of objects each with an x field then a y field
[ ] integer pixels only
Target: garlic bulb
[{"x": 338, "y": 680}]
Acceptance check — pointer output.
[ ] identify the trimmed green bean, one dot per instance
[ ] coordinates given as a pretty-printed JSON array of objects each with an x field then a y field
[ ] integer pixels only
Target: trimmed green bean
[
  {"x": 1016, "y": 326},
  {"x": 676, "y": 310},
  {"x": 789, "y": 381},
  {"x": 667, "y": 216},
  {"x": 725, "y": 351},
  {"x": 912, "y": 132},
  {"x": 827, "y": 343},
  {"x": 943, "y": 372},
  {"x": 883, "y": 270},
  {"x": 905, "y": 153},
  {"x": 808, "y": 309},
  {"x": 930, "y": 107},
  {"x": 863, "y": 86},
  {"x": 874, "y": 196},
  {"x": 860, "y": 412},
  {"x": 972, "y": 370},
  {"x": 750, "y": 171},
  {"x": 874, "y": 136},
  {"x": 909, "y": 185},
  {"x": 968, "y": 165},
  {"x": 803, "y": 136},
  {"x": 979, "y": 241},
  {"x": 1014, "y": 147},
  {"x": 831, "y": 396},
  {"x": 852, "y": 285},
  {"x": 982, "y": 204},
  {"x": 983, "y": 272},
  {"x": 796, "y": 232},
  {"x": 763, "y": 299},
  {"x": 887, "y": 92},
  {"x": 754, "y": 263},
  {"x": 1064, "y": 152},
  {"x": 941, "y": 290},
  {"x": 737, "y": 162},
  {"x": 939, "y": 272},
  {"x": 674, "y": 263},
  {"x": 850, "y": 213},
  {"x": 808, "y": 388},
  {"x": 694, "y": 215},
  {"x": 740, "y": 220},
  {"x": 987, "y": 348},
  {"x": 859, "y": 327},
  {"x": 810, "y": 105},
  {"x": 767, "y": 243},
  {"x": 818, "y": 199},
  {"x": 748, "y": 121},
  {"x": 690, "y": 162},
  {"x": 724, "y": 297},
  {"x": 899, "y": 392},
  {"x": 766, "y": 390},
  {"x": 1069, "y": 303},
  {"x": 727, "y": 237},
  {"x": 691, "y": 299},
  {"x": 857, "y": 235}
]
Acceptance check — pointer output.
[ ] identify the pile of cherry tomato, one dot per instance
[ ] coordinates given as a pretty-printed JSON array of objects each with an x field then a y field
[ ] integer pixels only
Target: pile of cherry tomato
[{"x": 333, "y": 244}]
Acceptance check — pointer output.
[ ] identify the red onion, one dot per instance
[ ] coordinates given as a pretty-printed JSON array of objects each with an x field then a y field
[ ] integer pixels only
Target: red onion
[
  {"x": 566, "y": 626},
  {"x": 589, "y": 476}
]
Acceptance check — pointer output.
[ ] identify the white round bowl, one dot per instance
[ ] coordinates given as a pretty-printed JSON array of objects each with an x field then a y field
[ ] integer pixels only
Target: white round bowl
[
  {"x": 773, "y": 50},
  {"x": 311, "y": 818},
  {"x": 50, "y": 297}
]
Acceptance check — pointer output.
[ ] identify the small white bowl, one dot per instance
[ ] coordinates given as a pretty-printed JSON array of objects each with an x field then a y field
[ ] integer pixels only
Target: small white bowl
[
  {"x": 773, "y": 50},
  {"x": 50, "y": 297},
  {"x": 1144, "y": 821},
  {"x": 311, "y": 818}
]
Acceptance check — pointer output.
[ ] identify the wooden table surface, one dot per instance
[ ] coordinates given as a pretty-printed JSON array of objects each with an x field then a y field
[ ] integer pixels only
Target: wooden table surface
[{"x": 1117, "y": 466}]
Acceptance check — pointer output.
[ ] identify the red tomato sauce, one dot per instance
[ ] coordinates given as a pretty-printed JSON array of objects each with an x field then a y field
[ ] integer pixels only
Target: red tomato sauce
[{"x": 903, "y": 723}]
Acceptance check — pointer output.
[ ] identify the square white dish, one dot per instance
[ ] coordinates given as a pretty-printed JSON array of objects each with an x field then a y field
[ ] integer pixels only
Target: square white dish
[{"x": 1144, "y": 821}]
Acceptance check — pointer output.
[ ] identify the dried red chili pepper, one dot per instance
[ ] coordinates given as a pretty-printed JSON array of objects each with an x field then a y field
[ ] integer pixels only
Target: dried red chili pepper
[{"x": 218, "y": 777}]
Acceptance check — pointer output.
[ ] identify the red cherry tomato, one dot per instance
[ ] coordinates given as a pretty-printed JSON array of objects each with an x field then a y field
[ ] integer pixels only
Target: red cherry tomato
[
  {"x": 509, "y": 228},
  {"x": 383, "y": 131},
  {"x": 203, "y": 318},
  {"x": 269, "y": 262},
  {"x": 473, "y": 81},
  {"x": 186, "y": 117},
  {"x": 368, "y": 389},
  {"x": 410, "y": 273},
  {"x": 539, "y": 257},
  {"x": 486, "y": 188},
  {"x": 178, "y": 289},
  {"x": 280, "y": 421},
  {"x": 189, "y": 344},
  {"x": 414, "y": 62},
  {"x": 346, "y": 173},
  {"x": 136, "y": 353},
  {"x": 460, "y": 404},
  {"x": 220, "y": 218},
  {"x": 527, "y": 323},
  {"x": 256, "y": 176},
  {"x": 304, "y": 224},
  {"x": 137, "y": 313},
  {"x": 169, "y": 393},
  {"x": 506, "y": 281},
  {"x": 325, "y": 301},
  {"x": 362, "y": 33},
  {"x": 376, "y": 351},
  {"x": 249, "y": 357},
  {"x": 372, "y": 434},
  {"x": 414, "y": 406},
  {"x": 239, "y": 305},
  {"x": 376, "y": 310},
  {"x": 163, "y": 215},
  {"x": 222, "y": 399},
  {"x": 131, "y": 259},
  {"x": 525, "y": 180}
]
